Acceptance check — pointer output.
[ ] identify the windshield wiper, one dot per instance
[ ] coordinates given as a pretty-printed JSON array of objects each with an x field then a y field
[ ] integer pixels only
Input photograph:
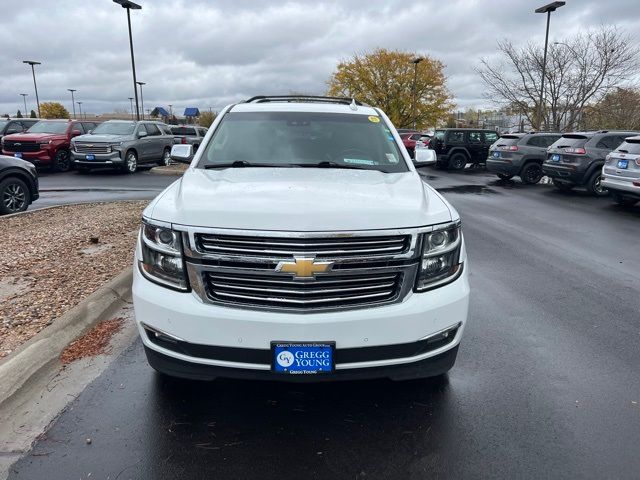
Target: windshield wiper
[
  {"x": 242, "y": 164},
  {"x": 327, "y": 164}
]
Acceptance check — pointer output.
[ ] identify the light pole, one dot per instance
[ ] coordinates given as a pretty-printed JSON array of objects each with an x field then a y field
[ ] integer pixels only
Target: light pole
[
  {"x": 35, "y": 85},
  {"x": 415, "y": 62},
  {"x": 80, "y": 107},
  {"x": 73, "y": 104},
  {"x": 131, "y": 102},
  {"x": 550, "y": 7},
  {"x": 126, "y": 4},
  {"x": 141, "y": 99},
  {"x": 170, "y": 110},
  {"x": 24, "y": 97}
]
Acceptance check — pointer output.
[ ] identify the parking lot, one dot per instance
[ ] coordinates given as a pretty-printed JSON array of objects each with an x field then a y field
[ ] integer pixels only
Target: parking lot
[{"x": 545, "y": 386}]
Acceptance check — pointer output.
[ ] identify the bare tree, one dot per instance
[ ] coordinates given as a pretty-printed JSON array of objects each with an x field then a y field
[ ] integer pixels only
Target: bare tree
[{"x": 579, "y": 73}]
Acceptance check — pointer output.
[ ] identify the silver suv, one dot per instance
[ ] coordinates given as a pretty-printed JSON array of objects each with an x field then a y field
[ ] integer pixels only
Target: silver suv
[
  {"x": 123, "y": 144},
  {"x": 621, "y": 172},
  {"x": 188, "y": 134}
]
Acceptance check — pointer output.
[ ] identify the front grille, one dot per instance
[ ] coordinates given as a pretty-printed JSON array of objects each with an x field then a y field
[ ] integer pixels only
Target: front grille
[
  {"x": 21, "y": 146},
  {"x": 326, "y": 291},
  {"x": 92, "y": 148},
  {"x": 343, "y": 247}
]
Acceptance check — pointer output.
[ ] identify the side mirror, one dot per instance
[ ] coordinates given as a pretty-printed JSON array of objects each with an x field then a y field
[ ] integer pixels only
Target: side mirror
[
  {"x": 90, "y": 132},
  {"x": 75, "y": 133},
  {"x": 425, "y": 156},
  {"x": 142, "y": 134},
  {"x": 182, "y": 153}
]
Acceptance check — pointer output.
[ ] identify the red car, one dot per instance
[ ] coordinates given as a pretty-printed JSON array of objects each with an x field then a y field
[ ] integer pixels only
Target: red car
[
  {"x": 46, "y": 143},
  {"x": 410, "y": 138}
]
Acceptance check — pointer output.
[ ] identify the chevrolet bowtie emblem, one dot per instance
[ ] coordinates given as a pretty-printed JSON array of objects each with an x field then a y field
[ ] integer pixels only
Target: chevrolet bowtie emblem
[{"x": 303, "y": 267}]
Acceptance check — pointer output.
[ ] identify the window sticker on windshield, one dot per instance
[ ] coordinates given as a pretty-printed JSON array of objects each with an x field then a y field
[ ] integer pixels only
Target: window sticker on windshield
[
  {"x": 374, "y": 119},
  {"x": 391, "y": 157},
  {"x": 360, "y": 161}
]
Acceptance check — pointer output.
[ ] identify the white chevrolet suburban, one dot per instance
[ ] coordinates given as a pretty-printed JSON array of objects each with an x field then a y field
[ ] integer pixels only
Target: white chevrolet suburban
[{"x": 300, "y": 245}]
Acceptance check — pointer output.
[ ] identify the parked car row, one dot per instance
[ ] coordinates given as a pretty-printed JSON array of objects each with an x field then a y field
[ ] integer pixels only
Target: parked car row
[
  {"x": 63, "y": 144},
  {"x": 602, "y": 162}
]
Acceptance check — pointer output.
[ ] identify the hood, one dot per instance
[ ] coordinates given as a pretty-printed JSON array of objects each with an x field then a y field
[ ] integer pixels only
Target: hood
[
  {"x": 102, "y": 138},
  {"x": 34, "y": 137},
  {"x": 299, "y": 199}
]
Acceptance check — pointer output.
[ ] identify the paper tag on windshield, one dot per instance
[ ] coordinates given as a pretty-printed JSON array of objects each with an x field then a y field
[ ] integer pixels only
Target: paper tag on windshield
[
  {"x": 359, "y": 161},
  {"x": 392, "y": 158}
]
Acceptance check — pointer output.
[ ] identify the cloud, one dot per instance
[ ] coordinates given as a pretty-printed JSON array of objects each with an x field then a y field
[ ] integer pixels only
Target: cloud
[{"x": 207, "y": 54}]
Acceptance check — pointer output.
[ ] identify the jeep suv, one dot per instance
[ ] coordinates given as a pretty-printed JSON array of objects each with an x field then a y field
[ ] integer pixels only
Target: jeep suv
[
  {"x": 312, "y": 252},
  {"x": 455, "y": 147},
  {"x": 124, "y": 145},
  {"x": 621, "y": 172},
  {"x": 520, "y": 154},
  {"x": 576, "y": 159},
  {"x": 46, "y": 143}
]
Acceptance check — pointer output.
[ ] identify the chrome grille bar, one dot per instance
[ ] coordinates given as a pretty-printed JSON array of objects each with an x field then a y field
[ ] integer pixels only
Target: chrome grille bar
[{"x": 92, "y": 148}]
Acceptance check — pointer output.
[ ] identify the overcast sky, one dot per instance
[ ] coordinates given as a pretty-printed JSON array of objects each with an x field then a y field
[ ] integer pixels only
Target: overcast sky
[{"x": 208, "y": 53}]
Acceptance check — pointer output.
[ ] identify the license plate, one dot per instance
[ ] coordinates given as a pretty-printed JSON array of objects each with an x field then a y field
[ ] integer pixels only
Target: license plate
[
  {"x": 302, "y": 358},
  {"x": 90, "y": 157},
  {"x": 555, "y": 157},
  {"x": 18, "y": 154},
  {"x": 623, "y": 164},
  {"x": 496, "y": 154}
]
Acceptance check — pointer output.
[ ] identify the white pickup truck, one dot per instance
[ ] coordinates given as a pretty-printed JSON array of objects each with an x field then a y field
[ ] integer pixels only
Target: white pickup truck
[{"x": 300, "y": 245}]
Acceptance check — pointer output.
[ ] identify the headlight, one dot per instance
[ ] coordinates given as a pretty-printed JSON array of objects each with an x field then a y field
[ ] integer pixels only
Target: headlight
[
  {"x": 162, "y": 256},
  {"x": 45, "y": 144},
  {"x": 115, "y": 144},
  {"x": 440, "y": 263}
]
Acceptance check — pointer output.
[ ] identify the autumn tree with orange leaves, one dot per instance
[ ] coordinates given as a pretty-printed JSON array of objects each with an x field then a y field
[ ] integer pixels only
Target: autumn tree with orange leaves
[{"x": 385, "y": 79}]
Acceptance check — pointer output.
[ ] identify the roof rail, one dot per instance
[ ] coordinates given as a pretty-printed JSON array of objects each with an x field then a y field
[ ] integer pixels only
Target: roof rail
[{"x": 303, "y": 98}]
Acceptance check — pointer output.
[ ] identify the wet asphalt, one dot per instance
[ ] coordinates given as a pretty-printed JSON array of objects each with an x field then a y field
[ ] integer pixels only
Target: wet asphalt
[{"x": 546, "y": 384}]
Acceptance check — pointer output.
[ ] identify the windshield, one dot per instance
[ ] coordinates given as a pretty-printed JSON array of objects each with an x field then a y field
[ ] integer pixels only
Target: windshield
[
  {"x": 287, "y": 139},
  {"x": 183, "y": 131},
  {"x": 3, "y": 123},
  {"x": 49, "y": 127},
  {"x": 439, "y": 135},
  {"x": 630, "y": 146},
  {"x": 567, "y": 141},
  {"x": 115, "y": 128},
  {"x": 507, "y": 140}
]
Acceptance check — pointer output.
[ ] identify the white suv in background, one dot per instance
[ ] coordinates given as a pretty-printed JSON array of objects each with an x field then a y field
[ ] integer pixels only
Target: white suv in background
[
  {"x": 621, "y": 172},
  {"x": 312, "y": 252}
]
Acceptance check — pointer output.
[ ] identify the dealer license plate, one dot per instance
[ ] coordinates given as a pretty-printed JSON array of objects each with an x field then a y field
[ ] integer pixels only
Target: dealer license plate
[
  {"x": 90, "y": 157},
  {"x": 311, "y": 358},
  {"x": 555, "y": 157},
  {"x": 18, "y": 154},
  {"x": 623, "y": 164}
]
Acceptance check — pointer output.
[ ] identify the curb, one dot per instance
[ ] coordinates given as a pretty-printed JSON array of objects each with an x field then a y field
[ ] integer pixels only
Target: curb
[
  {"x": 43, "y": 349},
  {"x": 167, "y": 171}
]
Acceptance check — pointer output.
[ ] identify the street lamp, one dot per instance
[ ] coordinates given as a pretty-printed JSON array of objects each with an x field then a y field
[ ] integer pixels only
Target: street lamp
[
  {"x": 80, "y": 107},
  {"x": 550, "y": 7},
  {"x": 415, "y": 62},
  {"x": 128, "y": 6},
  {"x": 35, "y": 85},
  {"x": 73, "y": 104},
  {"x": 141, "y": 99},
  {"x": 24, "y": 97},
  {"x": 131, "y": 102}
]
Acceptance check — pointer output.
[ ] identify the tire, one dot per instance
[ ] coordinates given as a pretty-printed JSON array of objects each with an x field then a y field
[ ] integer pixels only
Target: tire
[
  {"x": 563, "y": 187},
  {"x": 130, "y": 164},
  {"x": 15, "y": 196},
  {"x": 504, "y": 176},
  {"x": 458, "y": 161},
  {"x": 62, "y": 161},
  {"x": 166, "y": 158},
  {"x": 594, "y": 186},
  {"x": 624, "y": 201},
  {"x": 531, "y": 173}
]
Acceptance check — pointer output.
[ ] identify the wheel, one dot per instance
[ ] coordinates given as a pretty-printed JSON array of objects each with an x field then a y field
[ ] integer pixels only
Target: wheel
[
  {"x": 594, "y": 185},
  {"x": 15, "y": 196},
  {"x": 130, "y": 162},
  {"x": 62, "y": 161},
  {"x": 531, "y": 173},
  {"x": 562, "y": 186},
  {"x": 504, "y": 176},
  {"x": 458, "y": 161},
  {"x": 624, "y": 201},
  {"x": 166, "y": 158}
]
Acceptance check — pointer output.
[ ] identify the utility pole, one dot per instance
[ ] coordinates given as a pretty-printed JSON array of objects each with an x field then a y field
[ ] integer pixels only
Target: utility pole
[
  {"x": 72, "y": 100},
  {"x": 24, "y": 97},
  {"x": 126, "y": 4},
  {"x": 35, "y": 85},
  {"x": 415, "y": 62}
]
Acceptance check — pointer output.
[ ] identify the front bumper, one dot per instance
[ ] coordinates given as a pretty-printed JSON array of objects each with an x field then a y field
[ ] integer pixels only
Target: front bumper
[
  {"x": 101, "y": 159},
  {"x": 39, "y": 158},
  {"x": 206, "y": 341}
]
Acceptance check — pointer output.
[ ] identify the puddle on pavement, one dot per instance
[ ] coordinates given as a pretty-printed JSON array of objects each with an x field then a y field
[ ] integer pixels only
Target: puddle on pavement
[{"x": 469, "y": 189}]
